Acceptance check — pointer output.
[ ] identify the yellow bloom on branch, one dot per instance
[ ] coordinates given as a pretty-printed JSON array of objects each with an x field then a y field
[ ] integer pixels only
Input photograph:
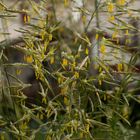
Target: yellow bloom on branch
[
  {"x": 65, "y": 62},
  {"x": 102, "y": 49},
  {"x": 121, "y": 2},
  {"x": 120, "y": 67},
  {"x": 110, "y": 7},
  {"x": 28, "y": 59},
  {"x": 26, "y": 18},
  {"x": 111, "y": 18},
  {"x": 18, "y": 71}
]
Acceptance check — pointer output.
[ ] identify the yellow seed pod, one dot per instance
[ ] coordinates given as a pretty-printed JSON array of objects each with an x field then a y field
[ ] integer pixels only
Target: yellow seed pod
[
  {"x": 43, "y": 55},
  {"x": 100, "y": 69},
  {"x": 84, "y": 19},
  {"x": 97, "y": 36},
  {"x": 52, "y": 60},
  {"x": 102, "y": 49},
  {"x": 125, "y": 111},
  {"x": 76, "y": 74},
  {"x": 50, "y": 37},
  {"x": 87, "y": 128},
  {"x": 43, "y": 35},
  {"x": 86, "y": 51},
  {"x": 110, "y": 7},
  {"x": 66, "y": 3},
  {"x": 46, "y": 45},
  {"x": 119, "y": 67},
  {"x": 26, "y": 18}
]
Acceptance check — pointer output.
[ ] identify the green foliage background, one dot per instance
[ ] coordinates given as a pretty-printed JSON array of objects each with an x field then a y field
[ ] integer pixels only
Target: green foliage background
[{"x": 80, "y": 96}]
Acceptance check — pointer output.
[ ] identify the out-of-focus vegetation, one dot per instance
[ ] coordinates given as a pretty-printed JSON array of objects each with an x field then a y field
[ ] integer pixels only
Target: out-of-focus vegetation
[{"x": 83, "y": 59}]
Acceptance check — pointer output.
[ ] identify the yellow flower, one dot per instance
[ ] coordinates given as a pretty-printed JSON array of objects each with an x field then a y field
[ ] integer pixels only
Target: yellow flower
[
  {"x": 121, "y": 2},
  {"x": 127, "y": 32},
  {"x": 102, "y": 49},
  {"x": 28, "y": 59},
  {"x": 76, "y": 74},
  {"x": 110, "y": 7},
  {"x": 18, "y": 71},
  {"x": 66, "y": 3},
  {"x": 120, "y": 67},
  {"x": 111, "y": 18},
  {"x": 65, "y": 62}
]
